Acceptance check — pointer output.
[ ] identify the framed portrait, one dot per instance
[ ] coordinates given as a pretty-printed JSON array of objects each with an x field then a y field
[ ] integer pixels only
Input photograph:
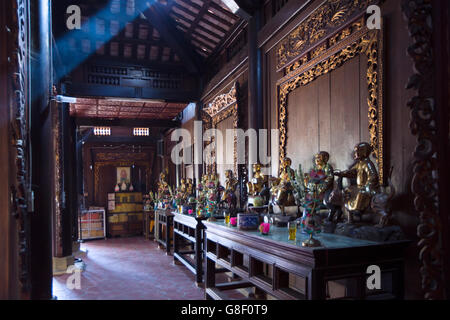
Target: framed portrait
[{"x": 123, "y": 175}]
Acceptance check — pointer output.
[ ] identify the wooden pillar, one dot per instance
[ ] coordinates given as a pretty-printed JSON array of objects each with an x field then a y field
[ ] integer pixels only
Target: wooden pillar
[
  {"x": 68, "y": 203},
  {"x": 255, "y": 105},
  {"x": 41, "y": 133},
  {"x": 198, "y": 147},
  {"x": 441, "y": 44},
  {"x": 9, "y": 264}
]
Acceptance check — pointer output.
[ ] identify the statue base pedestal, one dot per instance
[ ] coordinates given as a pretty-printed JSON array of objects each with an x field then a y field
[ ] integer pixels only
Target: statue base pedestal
[{"x": 311, "y": 242}]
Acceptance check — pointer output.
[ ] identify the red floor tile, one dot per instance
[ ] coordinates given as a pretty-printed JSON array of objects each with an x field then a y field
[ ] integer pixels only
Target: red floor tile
[{"x": 129, "y": 269}]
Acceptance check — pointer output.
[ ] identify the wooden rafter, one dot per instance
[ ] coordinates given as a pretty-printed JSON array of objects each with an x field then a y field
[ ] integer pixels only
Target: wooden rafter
[{"x": 158, "y": 16}]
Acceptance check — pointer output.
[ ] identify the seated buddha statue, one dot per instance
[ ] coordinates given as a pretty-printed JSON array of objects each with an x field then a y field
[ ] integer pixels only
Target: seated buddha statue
[
  {"x": 229, "y": 194},
  {"x": 189, "y": 187},
  {"x": 285, "y": 195},
  {"x": 359, "y": 196},
  {"x": 255, "y": 186},
  {"x": 319, "y": 181},
  {"x": 181, "y": 191},
  {"x": 202, "y": 188},
  {"x": 163, "y": 186},
  {"x": 230, "y": 183}
]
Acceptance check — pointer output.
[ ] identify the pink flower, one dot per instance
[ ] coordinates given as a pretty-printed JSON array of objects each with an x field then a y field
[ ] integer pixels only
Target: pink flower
[
  {"x": 264, "y": 228},
  {"x": 233, "y": 221}
]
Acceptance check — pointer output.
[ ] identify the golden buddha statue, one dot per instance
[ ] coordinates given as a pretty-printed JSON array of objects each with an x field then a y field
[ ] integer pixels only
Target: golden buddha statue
[
  {"x": 287, "y": 173},
  {"x": 284, "y": 190},
  {"x": 182, "y": 189},
  {"x": 230, "y": 184},
  {"x": 163, "y": 187},
  {"x": 162, "y": 183},
  {"x": 320, "y": 179},
  {"x": 358, "y": 197},
  {"x": 189, "y": 187},
  {"x": 255, "y": 186}
]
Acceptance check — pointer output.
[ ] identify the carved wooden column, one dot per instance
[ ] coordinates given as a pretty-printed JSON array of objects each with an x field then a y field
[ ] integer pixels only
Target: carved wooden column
[
  {"x": 428, "y": 109},
  {"x": 14, "y": 151}
]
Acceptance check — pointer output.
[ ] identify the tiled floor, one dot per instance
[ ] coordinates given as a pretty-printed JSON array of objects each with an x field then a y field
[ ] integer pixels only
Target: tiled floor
[{"x": 129, "y": 268}]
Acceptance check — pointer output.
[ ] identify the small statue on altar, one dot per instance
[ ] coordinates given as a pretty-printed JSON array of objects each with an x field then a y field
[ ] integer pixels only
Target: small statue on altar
[
  {"x": 180, "y": 195},
  {"x": 319, "y": 183},
  {"x": 214, "y": 190},
  {"x": 189, "y": 187},
  {"x": 255, "y": 186},
  {"x": 320, "y": 179},
  {"x": 284, "y": 194},
  {"x": 164, "y": 191},
  {"x": 229, "y": 194},
  {"x": 357, "y": 198},
  {"x": 202, "y": 189}
]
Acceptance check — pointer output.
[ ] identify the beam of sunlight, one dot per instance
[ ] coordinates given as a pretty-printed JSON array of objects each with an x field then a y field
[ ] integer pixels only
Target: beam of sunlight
[{"x": 71, "y": 59}]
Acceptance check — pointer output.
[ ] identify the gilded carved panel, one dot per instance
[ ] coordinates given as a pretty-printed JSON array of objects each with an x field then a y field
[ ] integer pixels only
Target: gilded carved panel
[
  {"x": 349, "y": 43},
  {"x": 323, "y": 22}
]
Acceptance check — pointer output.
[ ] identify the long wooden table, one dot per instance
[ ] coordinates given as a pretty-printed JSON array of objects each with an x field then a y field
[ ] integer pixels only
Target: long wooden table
[
  {"x": 190, "y": 229},
  {"x": 164, "y": 218},
  {"x": 269, "y": 263}
]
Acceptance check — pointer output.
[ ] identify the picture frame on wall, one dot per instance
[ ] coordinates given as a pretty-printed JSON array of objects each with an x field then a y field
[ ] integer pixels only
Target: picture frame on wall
[{"x": 123, "y": 175}]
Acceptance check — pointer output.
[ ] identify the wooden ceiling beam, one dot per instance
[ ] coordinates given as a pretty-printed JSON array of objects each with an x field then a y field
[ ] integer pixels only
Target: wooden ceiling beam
[
  {"x": 215, "y": 42},
  {"x": 212, "y": 25},
  {"x": 185, "y": 10},
  {"x": 192, "y": 4},
  {"x": 221, "y": 20},
  {"x": 201, "y": 39},
  {"x": 199, "y": 27},
  {"x": 224, "y": 11},
  {"x": 160, "y": 20}
]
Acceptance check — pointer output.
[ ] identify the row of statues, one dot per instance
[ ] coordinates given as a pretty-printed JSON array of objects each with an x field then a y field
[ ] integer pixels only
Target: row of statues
[
  {"x": 317, "y": 187},
  {"x": 313, "y": 190}
]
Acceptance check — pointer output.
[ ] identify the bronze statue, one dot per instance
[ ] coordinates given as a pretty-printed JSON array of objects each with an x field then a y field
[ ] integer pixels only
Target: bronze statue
[
  {"x": 189, "y": 187},
  {"x": 284, "y": 195},
  {"x": 287, "y": 173},
  {"x": 320, "y": 179},
  {"x": 164, "y": 191},
  {"x": 357, "y": 198},
  {"x": 181, "y": 191},
  {"x": 163, "y": 186},
  {"x": 229, "y": 195},
  {"x": 255, "y": 186}
]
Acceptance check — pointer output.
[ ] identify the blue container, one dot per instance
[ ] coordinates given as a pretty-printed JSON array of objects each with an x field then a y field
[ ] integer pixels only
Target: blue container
[{"x": 248, "y": 221}]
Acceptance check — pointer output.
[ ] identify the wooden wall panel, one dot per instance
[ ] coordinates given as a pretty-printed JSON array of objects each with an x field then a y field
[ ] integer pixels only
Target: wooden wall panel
[
  {"x": 329, "y": 114},
  {"x": 324, "y": 112},
  {"x": 303, "y": 122},
  {"x": 345, "y": 124},
  {"x": 363, "y": 95},
  {"x": 272, "y": 105},
  {"x": 224, "y": 150}
]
